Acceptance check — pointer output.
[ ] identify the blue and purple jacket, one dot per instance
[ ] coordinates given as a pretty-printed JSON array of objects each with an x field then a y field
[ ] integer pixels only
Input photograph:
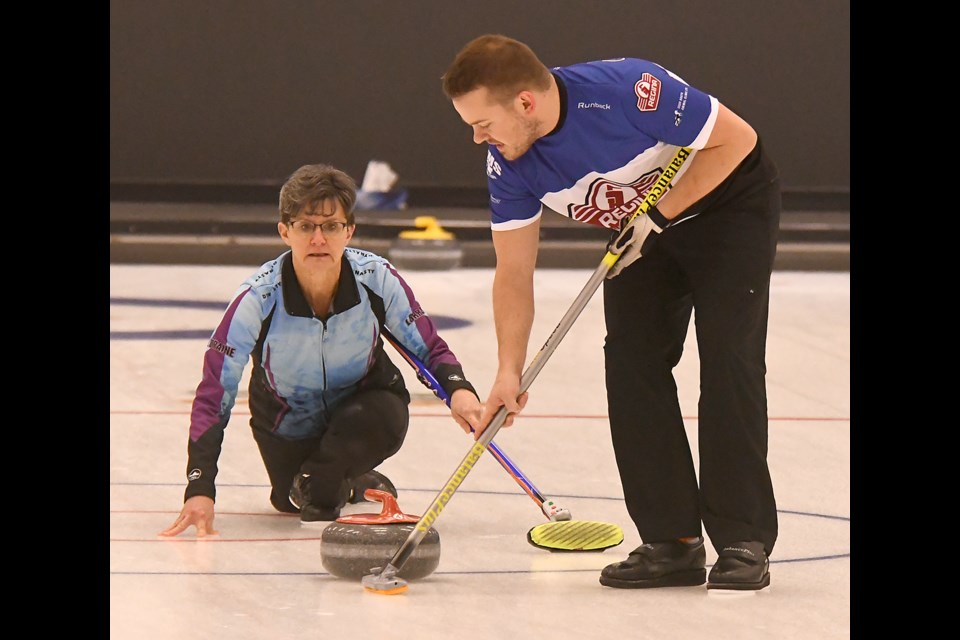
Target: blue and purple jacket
[{"x": 305, "y": 366}]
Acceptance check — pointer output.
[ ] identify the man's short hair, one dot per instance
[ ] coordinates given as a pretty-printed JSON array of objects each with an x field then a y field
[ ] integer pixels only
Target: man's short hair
[{"x": 502, "y": 65}]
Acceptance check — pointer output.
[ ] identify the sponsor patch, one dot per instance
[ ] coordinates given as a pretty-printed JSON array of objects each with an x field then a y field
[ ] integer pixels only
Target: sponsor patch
[
  {"x": 414, "y": 315},
  {"x": 681, "y": 105},
  {"x": 648, "y": 92},
  {"x": 220, "y": 347}
]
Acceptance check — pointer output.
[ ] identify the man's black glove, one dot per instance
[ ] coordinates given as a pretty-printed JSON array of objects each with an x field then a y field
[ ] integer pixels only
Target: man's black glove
[{"x": 635, "y": 239}]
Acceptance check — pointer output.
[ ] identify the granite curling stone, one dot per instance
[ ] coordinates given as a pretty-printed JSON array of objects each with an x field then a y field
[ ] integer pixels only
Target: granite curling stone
[
  {"x": 356, "y": 545},
  {"x": 430, "y": 247}
]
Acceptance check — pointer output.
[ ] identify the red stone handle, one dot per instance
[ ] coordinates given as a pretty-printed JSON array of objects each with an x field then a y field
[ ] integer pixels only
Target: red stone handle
[{"x": 389, "y": 514}]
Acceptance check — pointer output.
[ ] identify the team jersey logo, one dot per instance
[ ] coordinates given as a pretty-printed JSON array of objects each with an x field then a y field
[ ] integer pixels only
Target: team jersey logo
[
  {"x": 607, "y": 202},
  {"x": 648, "y": 92}
]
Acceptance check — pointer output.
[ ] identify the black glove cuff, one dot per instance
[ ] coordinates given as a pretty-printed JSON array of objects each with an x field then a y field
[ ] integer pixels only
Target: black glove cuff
[
  {"x": 196, "y": 488},
  {"x": 658, "y": 218},
  {"x": 451, "y": 378}
]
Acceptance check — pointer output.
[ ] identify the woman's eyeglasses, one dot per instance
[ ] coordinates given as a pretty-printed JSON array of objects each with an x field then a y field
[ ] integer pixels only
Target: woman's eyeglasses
[{"x": 330, "y": 228}]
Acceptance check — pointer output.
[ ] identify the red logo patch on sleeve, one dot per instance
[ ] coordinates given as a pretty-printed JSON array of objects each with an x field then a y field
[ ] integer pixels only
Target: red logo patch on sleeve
[{"x": 648, "y": 92}]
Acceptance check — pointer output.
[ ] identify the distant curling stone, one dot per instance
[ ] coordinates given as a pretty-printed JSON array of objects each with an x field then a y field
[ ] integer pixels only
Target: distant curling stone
[
  {"x": 355, "y": 545},
  {"x": 430, "y": 247}
]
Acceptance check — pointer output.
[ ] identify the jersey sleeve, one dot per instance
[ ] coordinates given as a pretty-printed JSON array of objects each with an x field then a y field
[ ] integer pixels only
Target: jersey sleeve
[
  {"x": 410, "y": 324},
  {"x": 660, "y": 104},
  {"x": 227, "y": 354},
  {"x": 512, "y": 205}
]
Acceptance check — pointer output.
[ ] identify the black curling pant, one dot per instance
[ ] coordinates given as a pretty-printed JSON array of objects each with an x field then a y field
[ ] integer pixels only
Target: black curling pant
[
  {"x": 364, "y": 431},
  {"x": 716, "y": 267}
]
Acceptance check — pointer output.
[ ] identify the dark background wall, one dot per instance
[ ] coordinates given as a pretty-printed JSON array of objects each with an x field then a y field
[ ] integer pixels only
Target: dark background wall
[{"x": 240, "y": 93}]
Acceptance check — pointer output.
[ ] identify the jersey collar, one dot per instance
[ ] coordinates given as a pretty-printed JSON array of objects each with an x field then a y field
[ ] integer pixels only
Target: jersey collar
[
  {"x": 295, "y": 302},
  {"x": 562, "y": 88}
]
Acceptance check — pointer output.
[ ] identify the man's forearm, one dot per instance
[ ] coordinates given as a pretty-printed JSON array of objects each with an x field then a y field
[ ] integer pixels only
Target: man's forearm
[{"x": 513, "y": 311}]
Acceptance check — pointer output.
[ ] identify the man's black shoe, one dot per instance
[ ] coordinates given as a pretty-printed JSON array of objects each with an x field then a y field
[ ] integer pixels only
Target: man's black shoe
[
  {"x": 369, "y": 480},
  {"x": 742, "y": 566},
  {"x": 659, "y": 564}
]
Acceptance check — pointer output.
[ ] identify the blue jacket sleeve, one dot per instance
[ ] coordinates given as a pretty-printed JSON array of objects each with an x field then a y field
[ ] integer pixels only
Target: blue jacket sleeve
[
  {"x": 227, "y": 354},
  {"x": 414, "y": 328}
]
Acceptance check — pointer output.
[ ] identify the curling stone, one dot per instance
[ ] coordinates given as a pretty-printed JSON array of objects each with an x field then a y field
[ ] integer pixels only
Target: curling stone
[
  {"x": 431, "y": 247},
  {"x": 355, "y": 545}
]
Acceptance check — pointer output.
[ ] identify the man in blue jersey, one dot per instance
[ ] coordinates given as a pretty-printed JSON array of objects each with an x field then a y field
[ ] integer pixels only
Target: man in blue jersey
[
  {"x": 589, "y": 141},
  {"x": 327, "y": 404}
]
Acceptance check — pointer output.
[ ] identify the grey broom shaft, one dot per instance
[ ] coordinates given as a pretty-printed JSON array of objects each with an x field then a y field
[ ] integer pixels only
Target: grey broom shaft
[{"x": 562, "y": 328}]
